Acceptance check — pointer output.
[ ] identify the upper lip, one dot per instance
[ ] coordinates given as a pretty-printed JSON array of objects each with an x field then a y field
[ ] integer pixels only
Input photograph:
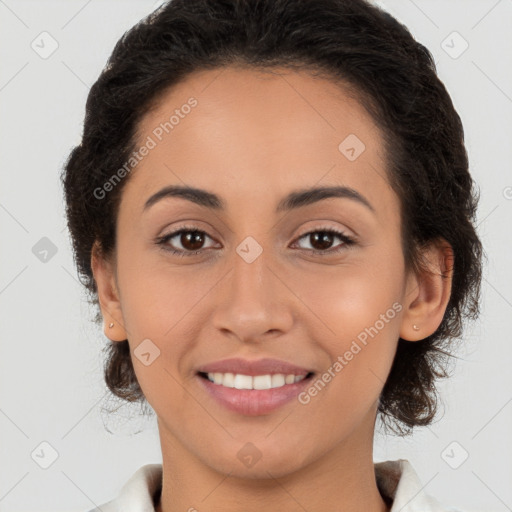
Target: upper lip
[{"x": 253, "y": 367}]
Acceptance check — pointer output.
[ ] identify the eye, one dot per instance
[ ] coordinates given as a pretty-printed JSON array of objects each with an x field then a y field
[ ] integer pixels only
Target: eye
[
  {"x": 190, "y": 238},
  {"x": 323, "y": 237},
  {"x": 193, "y": 239}
]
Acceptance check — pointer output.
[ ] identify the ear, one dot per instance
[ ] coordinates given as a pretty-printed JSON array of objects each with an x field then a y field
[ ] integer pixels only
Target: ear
[
  {"x": 428, "y": 292},
  {"x": 108, "y": 295}
]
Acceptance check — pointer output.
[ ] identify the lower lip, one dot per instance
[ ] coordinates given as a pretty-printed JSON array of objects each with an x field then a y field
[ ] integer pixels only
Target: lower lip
[{"x": 254, "y": 402}]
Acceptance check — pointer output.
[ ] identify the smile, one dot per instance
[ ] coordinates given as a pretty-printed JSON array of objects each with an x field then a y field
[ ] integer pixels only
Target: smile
[
  {"x": 253, "y": 395},
  {"x": 240, "y": 381}
]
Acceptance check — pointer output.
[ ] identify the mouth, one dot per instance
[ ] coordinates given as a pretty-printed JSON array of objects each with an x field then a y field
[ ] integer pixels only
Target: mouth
[
  {"x": 253, "y": 387},
  {"x": 253, "y": 395},
  {"x": 254, "y": 382}
]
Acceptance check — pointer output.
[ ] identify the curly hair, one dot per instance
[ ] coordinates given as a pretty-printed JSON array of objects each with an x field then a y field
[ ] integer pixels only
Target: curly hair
[{"x": 351, "y": 42}]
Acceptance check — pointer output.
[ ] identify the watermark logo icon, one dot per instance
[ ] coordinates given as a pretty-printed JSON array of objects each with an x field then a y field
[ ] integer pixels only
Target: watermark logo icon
[
  {"x": 45, "y": 45},
  {"x": 249, "y": 249},
  {"x": 351, "y": 147},
  {"x": 44, "y": 455},
  {"x": 454, "y": 455},
  {"x": 454, "y": 45},
  {"x": 147, "y": 352},
  {"x": 44, "y": 250},
  {"x": 249, "y": 455}
]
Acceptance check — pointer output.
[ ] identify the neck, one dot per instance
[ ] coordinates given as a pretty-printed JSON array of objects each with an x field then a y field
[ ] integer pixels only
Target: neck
[{"x": 342, "y": 479}]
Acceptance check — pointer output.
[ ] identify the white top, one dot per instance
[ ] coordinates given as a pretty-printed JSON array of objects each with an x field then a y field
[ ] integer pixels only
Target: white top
[{"x": 396, "y": 479}]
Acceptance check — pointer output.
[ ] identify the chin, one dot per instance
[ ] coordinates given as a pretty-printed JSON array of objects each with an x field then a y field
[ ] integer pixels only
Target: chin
[{"x": 261, "y": 459}]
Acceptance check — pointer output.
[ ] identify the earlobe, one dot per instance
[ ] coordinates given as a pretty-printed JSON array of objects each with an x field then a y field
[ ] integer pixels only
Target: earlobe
[
  {"x": 114, "y": 330},
  {"x": 108, "y": 296},
  {"x": 428, "y": 293}
]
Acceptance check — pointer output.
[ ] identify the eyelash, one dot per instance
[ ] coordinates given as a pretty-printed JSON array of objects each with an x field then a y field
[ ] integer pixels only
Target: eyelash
[{"x": 162, "y": 241}]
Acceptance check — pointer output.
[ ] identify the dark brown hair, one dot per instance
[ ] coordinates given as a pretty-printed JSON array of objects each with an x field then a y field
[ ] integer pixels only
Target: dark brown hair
[{"x": 353, "y": 43}]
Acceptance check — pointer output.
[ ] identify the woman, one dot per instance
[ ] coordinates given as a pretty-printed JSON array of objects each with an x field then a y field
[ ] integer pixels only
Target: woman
[{"x": 272, "y": 208}]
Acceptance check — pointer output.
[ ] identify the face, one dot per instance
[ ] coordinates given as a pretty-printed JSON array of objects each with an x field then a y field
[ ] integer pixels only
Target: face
[{"x": 309, "y": 282}]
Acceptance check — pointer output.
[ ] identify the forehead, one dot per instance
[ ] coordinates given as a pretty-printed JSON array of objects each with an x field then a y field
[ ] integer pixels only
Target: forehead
[{"x": 260, "y": 133}]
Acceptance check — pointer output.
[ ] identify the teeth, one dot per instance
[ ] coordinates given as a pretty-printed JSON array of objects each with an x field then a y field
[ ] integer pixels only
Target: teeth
[
  {"x": 290, "y": 379},
  {"x": 239, "y": 381},
  {"x": 242, "y": 382},
  {"x": 261, "y": 381}
]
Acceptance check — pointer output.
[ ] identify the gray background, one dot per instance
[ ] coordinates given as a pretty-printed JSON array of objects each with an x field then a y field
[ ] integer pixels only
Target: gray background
[{"x": 51, "y": 384}]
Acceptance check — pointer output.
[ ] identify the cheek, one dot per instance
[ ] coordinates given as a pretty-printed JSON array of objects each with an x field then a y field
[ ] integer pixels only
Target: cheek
[
  {"x": 354, "y": 314},
  {"x": 156, "y": 294},
  {"x": 165, "y": 305},
  {"x": 344, "y": 300}
]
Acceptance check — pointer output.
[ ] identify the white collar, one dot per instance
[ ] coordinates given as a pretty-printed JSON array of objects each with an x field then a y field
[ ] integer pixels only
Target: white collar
[{"x": 395, "y": 479}]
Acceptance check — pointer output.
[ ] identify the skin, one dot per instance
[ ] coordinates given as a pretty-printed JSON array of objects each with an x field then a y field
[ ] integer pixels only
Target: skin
[{"x": 252, "y": 139}]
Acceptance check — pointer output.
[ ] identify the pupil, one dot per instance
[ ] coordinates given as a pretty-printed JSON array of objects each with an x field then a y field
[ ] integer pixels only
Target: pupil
[
  {"x": 325, "y": 239},
  {"x": 193, "y": 240}
]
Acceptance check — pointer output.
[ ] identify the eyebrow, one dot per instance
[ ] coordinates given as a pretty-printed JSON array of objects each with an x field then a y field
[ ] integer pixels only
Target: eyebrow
[{"x": 296, "y": 199}]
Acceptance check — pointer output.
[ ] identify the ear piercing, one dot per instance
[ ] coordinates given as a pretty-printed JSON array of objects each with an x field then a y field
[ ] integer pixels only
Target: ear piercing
[{"x": 110, "y": 325}]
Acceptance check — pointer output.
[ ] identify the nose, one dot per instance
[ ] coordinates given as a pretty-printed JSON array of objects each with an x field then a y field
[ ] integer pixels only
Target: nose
[{"x": 253, "y": 301}]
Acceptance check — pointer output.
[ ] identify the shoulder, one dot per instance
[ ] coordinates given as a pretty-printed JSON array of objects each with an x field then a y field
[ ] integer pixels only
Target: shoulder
[
  {"x": 398, "y": 481},
  {"x": 138, "y": 494}
]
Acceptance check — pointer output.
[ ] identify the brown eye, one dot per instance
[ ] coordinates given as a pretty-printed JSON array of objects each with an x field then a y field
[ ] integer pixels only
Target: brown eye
[
  {"x": 192, "y": 241},
  {"x": 321, "y": 241}
]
